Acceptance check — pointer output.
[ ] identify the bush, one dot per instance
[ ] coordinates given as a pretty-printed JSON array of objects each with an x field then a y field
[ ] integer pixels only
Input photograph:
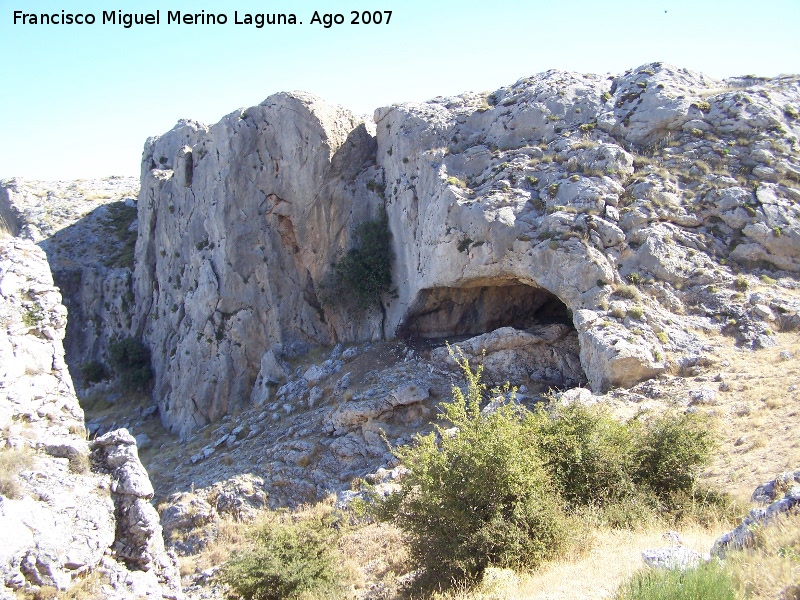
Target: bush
[
  {"x": 590, "y": 455},
  {"x": 709, "y": 581},
  {"x": 477, "y": 495},
  {"x": 673, "y": 448},
  {"x": 93, "y": 372},
  {"x": 285, "y": 560},
  {"x": 130, "y": 358},
  {"x": 597, "y": 461},
  {"x": 364, "y": 274}
]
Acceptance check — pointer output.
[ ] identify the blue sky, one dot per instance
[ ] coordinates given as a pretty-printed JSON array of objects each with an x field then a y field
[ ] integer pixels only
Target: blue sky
[{"x": 79, "y": 101}]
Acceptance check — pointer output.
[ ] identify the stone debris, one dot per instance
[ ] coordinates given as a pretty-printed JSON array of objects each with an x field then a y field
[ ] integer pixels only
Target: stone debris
[
  {"x": 781, "y": 495},
  {"x": 65, "y": 513}
]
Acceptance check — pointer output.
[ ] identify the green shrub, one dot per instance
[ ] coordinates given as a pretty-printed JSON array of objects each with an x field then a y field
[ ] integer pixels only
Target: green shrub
[
  {"x": 636, "y": 312},
  {"x": 285, "y": 560},
  {"x": 709, "y": 581},
  {"x": 364, "y": 274},
  {"x": 93, "y": 372},
  {"x": 477, "y": 495},
  {"x": 590, "y": 455},
  {"x": 628, "y": 468},
  {"x": 130, "y": 358},
  {"x": 673, "y": 448}
]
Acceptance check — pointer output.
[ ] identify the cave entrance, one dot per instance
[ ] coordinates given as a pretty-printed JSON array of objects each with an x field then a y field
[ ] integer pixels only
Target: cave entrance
[
  {"x": 541, "y": 351},
  {"x": 454, "y": 313}
]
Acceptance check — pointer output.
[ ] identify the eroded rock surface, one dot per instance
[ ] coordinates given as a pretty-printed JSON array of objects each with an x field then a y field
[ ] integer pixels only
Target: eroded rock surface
[
  {"x": 239, "y": 224},
  {"x": 88, "y": 230},
  {"x": 59, "y": 514},
  {"x": 608, "y": 203}
]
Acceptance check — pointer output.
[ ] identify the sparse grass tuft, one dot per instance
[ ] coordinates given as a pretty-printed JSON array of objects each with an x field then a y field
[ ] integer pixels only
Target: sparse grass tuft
[
  {"x": 627, "y": 291},
  {"x": 636, "y": 312},
  {"x": 459, "y": 183},
  {"x": 12, "y": 463}
]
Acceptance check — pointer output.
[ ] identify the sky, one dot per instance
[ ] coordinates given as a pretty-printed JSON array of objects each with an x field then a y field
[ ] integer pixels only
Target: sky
[{"x": 79, "y": 101}]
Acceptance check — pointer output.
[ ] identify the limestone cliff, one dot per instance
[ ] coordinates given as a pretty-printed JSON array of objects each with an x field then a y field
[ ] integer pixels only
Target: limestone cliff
[
  {"x": 238, "y": 226},
  {"x": 87, "y": 228},
  {"x": 67, "y": 507},
  {"x": 600, "y": 203}
]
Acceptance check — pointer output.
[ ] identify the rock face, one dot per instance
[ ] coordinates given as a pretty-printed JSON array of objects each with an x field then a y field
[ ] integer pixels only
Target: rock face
[
  {"x": 781, "y": 496},
  {"x": 600, "y": 203},
  {"x": 88, "y": 230},
  {"x": 59, "y": 513},
  {"x": 238, "y": 226}
]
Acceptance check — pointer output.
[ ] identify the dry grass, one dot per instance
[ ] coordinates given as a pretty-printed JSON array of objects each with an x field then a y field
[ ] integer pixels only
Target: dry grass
[
  {"x": 89, "y": 587},
  {"x": 759, "y": 415},
  {"x": 229, "y": 535},
  {"x": 771, "y": 568},
  {"x": 12, "y": 463},
  {"x": 374, "y": 555},
  {"x": 610, "y": 558}
]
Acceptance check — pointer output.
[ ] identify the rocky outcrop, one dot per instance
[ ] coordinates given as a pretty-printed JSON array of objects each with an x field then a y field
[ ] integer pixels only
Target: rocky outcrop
[
  {"x": 781, "y": 496},
  {"x": 59, "y": 517},
  {"x": 238, "y": 226},
  {"x": 87, "y": 229},
  {"x": 601, "y": 203}
]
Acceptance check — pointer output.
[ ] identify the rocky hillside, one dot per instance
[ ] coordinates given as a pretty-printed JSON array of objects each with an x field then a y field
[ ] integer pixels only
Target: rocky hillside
[
  {"x": 68, "y": 508},
  {"x": 87, "y": 228},
  {"x": 627, "y": 240},
  {"x": 609, "y": 205}
]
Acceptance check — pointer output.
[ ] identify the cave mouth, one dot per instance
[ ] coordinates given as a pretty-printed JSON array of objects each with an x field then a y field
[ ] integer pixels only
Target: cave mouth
[
  {"x": 456, "y": 313},
  {"x": 543, "y": 353}
]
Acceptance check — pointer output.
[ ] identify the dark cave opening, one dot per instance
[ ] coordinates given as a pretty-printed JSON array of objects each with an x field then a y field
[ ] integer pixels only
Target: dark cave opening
[
  {"x": 541, "y": 350},
  {"x": 468, "y": 311}
]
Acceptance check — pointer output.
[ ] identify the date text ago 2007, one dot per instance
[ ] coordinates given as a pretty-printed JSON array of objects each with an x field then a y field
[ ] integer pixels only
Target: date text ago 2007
[{"x": 355, "y": 17}]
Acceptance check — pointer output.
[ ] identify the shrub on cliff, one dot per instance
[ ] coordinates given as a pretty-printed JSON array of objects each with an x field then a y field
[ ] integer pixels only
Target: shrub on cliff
[
  {"x": 477, "y": 495},
  {"x": 93, "y": 372},
  {"x": 130, "y": 359},
  {"x": 364, "y": 274}
]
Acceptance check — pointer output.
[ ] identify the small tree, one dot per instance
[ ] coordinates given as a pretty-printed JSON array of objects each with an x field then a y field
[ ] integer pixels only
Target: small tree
[
  {"x": 364, "y": 274},
  {"x": 477, "y": 495},
  {"x": 673, "y": 448},
  {"x": 130, "y": 358}
]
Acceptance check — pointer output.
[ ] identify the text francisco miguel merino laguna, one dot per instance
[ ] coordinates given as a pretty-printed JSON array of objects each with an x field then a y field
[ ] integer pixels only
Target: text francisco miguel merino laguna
[{"x": 128, "y": 20}]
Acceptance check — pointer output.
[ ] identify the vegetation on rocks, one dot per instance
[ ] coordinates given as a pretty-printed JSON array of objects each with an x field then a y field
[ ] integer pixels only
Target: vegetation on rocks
[
  {"x": 12, "y": 463},
  {"x": 120, "y": 217},
  {"x": 93, "y": 372},
  {"x": 505, "y": 487},
  {"x": 130, "y": 359},
  {"x": 364, "y": 274}
]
